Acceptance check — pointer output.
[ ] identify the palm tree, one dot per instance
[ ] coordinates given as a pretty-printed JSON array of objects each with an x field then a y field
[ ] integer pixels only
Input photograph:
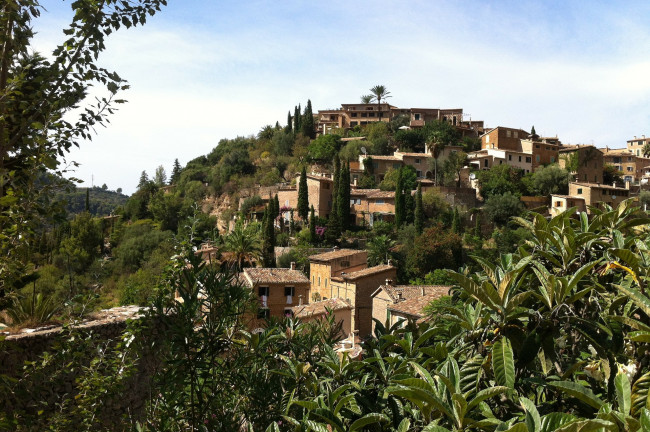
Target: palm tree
[
  {"x": 366, "y": 99},
  {"x": 379, "y": 92},
  {"x": 380, "y": 250},
  {"x": 244, "y": 245},
  {"x": 437, "y": 145}
]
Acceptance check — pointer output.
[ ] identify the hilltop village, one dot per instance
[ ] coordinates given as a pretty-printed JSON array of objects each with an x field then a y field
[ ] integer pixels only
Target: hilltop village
[{"x": 457, "y": 161}]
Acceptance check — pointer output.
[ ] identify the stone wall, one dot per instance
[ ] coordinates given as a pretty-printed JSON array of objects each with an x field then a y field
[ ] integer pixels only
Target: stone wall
[{"x": 50, "y": 386}]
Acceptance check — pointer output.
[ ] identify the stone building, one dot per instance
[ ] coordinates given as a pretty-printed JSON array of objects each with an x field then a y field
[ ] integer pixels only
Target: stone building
[
  {"x": 278, "y": 290},
  {"x": 636, "y": 145},
  {"x": 388, "y": 295},
  {"x": 584, "y": 163},
  {"x": 323, "y": 267},
  {"x": 595, "y": 194},
  {"x": 319, "y": 191},
  {"x": 627, "y": 162},
  {"x": 341, "y": 309}
]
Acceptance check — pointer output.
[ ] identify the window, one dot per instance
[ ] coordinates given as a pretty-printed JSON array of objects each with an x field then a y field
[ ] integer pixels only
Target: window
[
  {"x": 536, "y": 145},
  {"x": 516, "y": 134},
  {"x": 313, "y": 280},
  {"x": 318, "y": 280},
  {"x": 508, "y": 134},
  {"x": 380, "y": 201},
  {"x": 509, "y": 157},
  {"x": 358, "y": 201},
  {"x": 263, "y": 313},
  {"x": 375, "y": 165},
  {"x": 487, "y": 138},
  {"x": 353, "y": 115},
  {"x": 596, "y": 178},
  {"x": 519, "y": 158},
  {"x": 289, "y": 291},
  {"x": 418, "y": 173},
  {"x": 579, "y": 191},
  {"x": 395, "y": 166},
  {"x": 584, "y": 177},
  {"x": 417, "y": 160},
  {"x": 528, "y": 159},
  {"x": 263, "y": 291},
  {"x": 558, "y": 203},
  {"x": 537, "y": 158},
  {"x": 629, "y": 159},
  {"x": 416, "y": 116},
  {"x": 485, "y": 163},
  {"x": 364, "y": 114},
  {"x": 371, "y": 114},
  {"x": 552, "y": 159},
  {"x": 629, "y": 168},
  {"x": 353, "y": 123}
]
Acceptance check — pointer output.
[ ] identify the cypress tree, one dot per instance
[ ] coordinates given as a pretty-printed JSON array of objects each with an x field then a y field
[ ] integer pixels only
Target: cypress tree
[
  {"x": 334, "y": 222},
  {"x": 343, "y": 198},
  {"x": 297, "y": 119},
  {"x": 303, "y": 196},
  {"x": 399, "y": 201},
  {"x": 455, "y": 222},
  {"x": 419, "y": 211},
  {"x": 409, "y": 204},
  {"x": 292, "y": 223},
  {"x": 276, "y": 207},
  {"x": 268, "y": 244},
  {"x": 312, "y": 227},
  {"x": 87, "y": 208},
  {"x": 307, "y": 126},
  {"x": 289, "y": 127},
  {"x": 477, "y": 226}
]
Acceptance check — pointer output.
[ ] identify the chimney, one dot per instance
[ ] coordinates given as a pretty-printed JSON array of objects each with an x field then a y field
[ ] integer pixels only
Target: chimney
[
  {"x": 390, "y": 262},
  {"x": 627, "y": 184},
  {"x": 292, "y": 266},
  {"x": 300, "y": 300},
  {"x": 422, "y": 289},
  {"x": 399, "y": 296},
  {"x": 389, "y": 282}
]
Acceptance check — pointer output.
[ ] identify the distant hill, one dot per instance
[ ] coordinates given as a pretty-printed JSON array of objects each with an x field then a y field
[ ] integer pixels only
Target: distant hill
[{"x": 102, "y": 201}]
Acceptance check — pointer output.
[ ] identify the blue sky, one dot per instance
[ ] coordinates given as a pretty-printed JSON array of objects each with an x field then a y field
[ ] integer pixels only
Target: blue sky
[{"x": 202, "y": 70}]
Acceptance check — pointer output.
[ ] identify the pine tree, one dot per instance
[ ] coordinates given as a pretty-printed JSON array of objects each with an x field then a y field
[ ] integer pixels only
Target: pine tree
[
  {"x": 419, "y": 211},
  {"x": 303, "y": 196},
  {"x": 312, "y": 227},
  {"x": 399, "y": 201},
  {"x": 144, "y": 179},
  {"x": 307, "y": 126},
  {"x": 176, "y": 172},
  {"x": 289, "y": 127}
]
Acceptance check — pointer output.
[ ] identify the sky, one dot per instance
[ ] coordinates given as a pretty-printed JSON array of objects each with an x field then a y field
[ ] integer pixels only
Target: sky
[{"x": 203, "y": 70}]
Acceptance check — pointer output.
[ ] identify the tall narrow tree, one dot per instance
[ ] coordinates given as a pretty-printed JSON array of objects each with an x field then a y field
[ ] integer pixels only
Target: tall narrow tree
[
  {"x": 303, "y": 196},
  {"x": 289, "y": 127},
  {"x": 268, "y": 237},
  {"x": 334, "y": 221},
  {"x": 176, "y": 172},
  {"x": 399, "y": 201},
  {"x": 87, "y": 208},
  {"x": 297, "y": 119},
  {"x": 419, "y": 210},
  {"x": 308, "y": 127},
  {"x": 343, "y": 197},
  {"x": 312, "y": 227}
]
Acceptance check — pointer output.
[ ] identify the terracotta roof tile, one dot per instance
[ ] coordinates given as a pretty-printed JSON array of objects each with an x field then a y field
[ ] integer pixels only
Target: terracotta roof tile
[
  {"x": 598, "y": 186},
  {"x": 256, "y": 276},
  {"x": 320, "y": 308},
  {"x": 378, "y": 194},
  {"x": 388, "y": 158},
  {"x": 364, "y": 272},
  {"x": 336, "y": 254},
  {"x": 413, "y": 291},
  {"x": 414, "y": 306}
]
